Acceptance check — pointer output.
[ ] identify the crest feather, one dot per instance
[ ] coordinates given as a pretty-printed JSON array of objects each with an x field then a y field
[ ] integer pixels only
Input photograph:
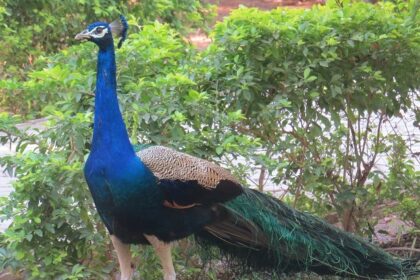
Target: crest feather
[{"x": 119, "y": 28}]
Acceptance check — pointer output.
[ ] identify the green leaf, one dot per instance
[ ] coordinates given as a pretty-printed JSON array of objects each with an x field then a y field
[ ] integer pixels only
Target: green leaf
[
  {"x": 20, "y": 255},
  {"x": 323, "y": 63},
  {"x": 315, "y": 131},
  {"x": 179, "y": 117},
  {"x": 236, "y": 116},
  {"x": 314, "y": 94},
  {"x": 332, "y": 41},
  {"x": 311, "y": 78},
  {"x": 306, "y": 73},
  {"x": 38, "y": 232}
]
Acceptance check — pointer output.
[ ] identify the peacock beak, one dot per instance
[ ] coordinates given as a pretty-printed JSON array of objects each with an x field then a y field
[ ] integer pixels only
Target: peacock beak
[{"x": 84, "y": 35}]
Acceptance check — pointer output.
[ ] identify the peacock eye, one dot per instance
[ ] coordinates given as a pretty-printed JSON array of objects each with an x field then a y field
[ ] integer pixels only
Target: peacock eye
[{"x": 98, "y": 30}]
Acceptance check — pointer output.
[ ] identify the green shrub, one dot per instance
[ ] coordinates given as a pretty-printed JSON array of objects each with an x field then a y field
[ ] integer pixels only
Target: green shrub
[
  {"x": 32, "y": 29},
  {"x": 316, "y": 86}
]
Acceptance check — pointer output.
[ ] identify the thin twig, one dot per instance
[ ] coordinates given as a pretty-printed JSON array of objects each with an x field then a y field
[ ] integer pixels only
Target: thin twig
[
  {"x": 403, "y": 249},
  {"x": 355, "y": 147},
  {"x": 378, "y": 134},
  {"x": 413, "y": 246},
  {"x": 366, "y": 134}
]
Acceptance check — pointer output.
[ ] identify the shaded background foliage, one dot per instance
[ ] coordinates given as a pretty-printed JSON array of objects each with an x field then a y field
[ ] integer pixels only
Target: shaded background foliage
[
  {"x": 33, "y": 29},
  {"x": 301, "y": 96}
]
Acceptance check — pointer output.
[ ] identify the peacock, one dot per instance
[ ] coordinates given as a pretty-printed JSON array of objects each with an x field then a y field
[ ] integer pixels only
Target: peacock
[{"x": 158, "y": 195}]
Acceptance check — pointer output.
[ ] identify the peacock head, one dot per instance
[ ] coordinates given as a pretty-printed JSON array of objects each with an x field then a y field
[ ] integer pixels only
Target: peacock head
[{"x": 102, "y": 33}]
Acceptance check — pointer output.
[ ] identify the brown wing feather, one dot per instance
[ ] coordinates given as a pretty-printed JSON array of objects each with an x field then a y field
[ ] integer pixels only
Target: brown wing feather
[
  {"x": 169, "y": 164},
  {"x": 186, "y": 180}
]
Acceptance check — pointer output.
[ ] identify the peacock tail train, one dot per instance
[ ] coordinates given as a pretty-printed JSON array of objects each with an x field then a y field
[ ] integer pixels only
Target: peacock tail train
[{"x": 263, "y": 233}]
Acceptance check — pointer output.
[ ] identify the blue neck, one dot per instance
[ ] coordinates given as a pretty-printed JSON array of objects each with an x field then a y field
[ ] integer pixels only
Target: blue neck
[{"x": 109, "y": 131}]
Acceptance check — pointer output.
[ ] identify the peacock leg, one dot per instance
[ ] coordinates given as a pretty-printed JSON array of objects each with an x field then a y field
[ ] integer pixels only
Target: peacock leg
[
  {"x": 124, "y": 258},
  {"x": 163, "y": 250}
]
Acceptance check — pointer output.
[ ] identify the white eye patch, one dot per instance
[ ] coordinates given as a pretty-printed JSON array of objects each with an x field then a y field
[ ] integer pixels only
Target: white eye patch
[{"x": 98, "y": 32}]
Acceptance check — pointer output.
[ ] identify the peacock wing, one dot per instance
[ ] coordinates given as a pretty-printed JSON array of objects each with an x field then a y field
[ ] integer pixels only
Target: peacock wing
[{"x": 186, "y": 180}]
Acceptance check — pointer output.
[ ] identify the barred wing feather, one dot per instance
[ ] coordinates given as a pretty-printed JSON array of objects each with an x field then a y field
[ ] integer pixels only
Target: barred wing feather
[{"x": 186, "y": 180}]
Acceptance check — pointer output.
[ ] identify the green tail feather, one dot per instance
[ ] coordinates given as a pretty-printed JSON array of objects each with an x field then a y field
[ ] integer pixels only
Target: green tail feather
[{"x": 267, "y": 234}]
